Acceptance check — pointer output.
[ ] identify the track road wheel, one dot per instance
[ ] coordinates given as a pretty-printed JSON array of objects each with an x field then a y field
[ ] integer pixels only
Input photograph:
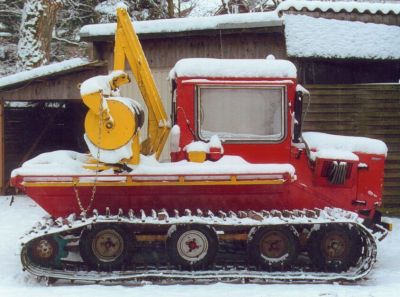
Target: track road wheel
[
  {"x": 334, "y": 248},
  {"x": 273, "y": 247},
  {"x": 192, "y": 247},
  {"x": 105, "y": 247},
  {"x": 44, "y": 250}
]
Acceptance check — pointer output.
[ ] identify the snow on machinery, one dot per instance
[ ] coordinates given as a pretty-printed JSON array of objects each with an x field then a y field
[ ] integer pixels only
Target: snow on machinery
[{"x": 269, "y": 203}]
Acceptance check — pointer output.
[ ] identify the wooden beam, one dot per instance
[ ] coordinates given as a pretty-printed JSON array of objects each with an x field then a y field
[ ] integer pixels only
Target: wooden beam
[{"x": 2, "y": 159}]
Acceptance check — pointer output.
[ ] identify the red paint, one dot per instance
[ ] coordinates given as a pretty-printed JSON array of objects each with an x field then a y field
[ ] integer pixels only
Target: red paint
[
  {"x": 61, "y": 201},
  {"x": 215, "y": 154},
  {"x": 361, "y": 191},
  {"x": 252, "y": 152}
]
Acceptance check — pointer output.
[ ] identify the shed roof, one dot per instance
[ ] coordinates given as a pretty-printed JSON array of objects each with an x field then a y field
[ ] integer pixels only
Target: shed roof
[
  {"x": 245, "y": 21},
  {"x": 324, "y": 38},
  {"x": 46, "y": 71},
  {"x": 341, "y": 6},
  {"x": 188, "y": 26}
]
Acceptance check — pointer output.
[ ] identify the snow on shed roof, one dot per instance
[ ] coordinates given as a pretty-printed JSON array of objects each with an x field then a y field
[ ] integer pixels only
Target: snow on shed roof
[
  {"x": 42, "y": 71},
  {"x": 203, "y": 67},
  {"x": 317, "y": 37},
  {"x": 220, "y": 22},
  {"x": 341, "y": 6}
]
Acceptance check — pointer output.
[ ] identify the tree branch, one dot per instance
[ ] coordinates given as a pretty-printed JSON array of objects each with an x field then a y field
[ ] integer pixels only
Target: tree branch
[{"x": 65, "y": 40}]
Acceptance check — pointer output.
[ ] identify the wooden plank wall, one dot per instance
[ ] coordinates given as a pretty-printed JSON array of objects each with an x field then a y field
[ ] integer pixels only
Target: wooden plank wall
[
  {"x": 371, "y": 110},
  {"x": 52, "y": 87},
  {"x": 165, "y": 52}
]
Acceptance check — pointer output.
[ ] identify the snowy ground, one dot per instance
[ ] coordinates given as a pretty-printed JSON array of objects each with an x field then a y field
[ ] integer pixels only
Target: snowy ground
[{"x": 384, "y": 280}]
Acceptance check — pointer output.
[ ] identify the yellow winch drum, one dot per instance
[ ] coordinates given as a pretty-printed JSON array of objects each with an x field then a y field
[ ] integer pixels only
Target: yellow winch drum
[{"x": 127, "y": 118}]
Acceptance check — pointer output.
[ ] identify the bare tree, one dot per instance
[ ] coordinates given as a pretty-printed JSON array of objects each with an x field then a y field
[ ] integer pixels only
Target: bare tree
[
  {"x": 244, "y": 6},
  {"x": 10, "y": 15},
  {"x": 38, "y": 20}
]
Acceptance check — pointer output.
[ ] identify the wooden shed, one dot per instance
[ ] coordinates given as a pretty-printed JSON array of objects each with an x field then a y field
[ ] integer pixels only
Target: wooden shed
[{"x": 41, "y": 111}]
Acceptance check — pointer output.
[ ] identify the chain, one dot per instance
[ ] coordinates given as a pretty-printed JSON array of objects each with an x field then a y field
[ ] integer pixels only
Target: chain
[{"x": 78, "y": 199}]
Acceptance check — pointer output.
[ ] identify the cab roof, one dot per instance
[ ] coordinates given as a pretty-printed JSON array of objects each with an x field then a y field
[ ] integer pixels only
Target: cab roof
[{"x": 234, "y": 68}]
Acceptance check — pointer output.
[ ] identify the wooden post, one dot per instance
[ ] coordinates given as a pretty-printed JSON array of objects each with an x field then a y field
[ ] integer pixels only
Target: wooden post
[{"x": 2, "y": 159}]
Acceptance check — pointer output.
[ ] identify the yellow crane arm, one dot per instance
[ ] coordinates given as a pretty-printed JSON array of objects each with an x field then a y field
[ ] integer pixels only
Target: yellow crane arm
[{"x": 127, "y": 46}]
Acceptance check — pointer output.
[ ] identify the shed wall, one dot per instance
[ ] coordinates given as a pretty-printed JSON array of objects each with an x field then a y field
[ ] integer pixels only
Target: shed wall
[
  {"x": 165, "y": 52},
  {"x": 318, "y": 71}
]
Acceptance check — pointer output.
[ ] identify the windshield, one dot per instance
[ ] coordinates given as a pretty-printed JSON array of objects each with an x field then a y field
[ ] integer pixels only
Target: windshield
[{"x": 241, "y": 112}]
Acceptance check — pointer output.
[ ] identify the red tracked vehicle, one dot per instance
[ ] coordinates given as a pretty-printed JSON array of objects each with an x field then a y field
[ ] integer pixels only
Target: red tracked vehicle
[{"x": 268, "y": 203}]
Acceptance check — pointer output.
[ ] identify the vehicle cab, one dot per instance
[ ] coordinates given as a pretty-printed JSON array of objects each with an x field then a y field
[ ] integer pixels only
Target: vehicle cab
[
  {"x": 248, "y": 104},
  {"x": 255, "y": 109}
]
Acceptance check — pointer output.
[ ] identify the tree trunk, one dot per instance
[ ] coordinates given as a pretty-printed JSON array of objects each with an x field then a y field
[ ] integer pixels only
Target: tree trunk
[
  {"x": 171, "y": 8},
  {"x": 38, "y": 20}
]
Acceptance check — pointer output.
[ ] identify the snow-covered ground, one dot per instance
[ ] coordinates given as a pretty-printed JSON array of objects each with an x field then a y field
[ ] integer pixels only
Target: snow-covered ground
[{"x": 383, "y": 281}]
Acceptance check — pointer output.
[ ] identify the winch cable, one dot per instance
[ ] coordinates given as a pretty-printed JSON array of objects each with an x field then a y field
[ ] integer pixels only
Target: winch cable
[{"x": 94, "y": 188}]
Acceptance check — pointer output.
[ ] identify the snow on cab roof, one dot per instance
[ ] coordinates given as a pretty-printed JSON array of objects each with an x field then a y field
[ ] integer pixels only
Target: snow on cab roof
[
  {"x": 317, "y": 37},
  {"x": 220, "y": 22},
  {"x": 204, "y": 67},
  {"x": 42, "y": 71},
  {"x": 340, "y": 6}
]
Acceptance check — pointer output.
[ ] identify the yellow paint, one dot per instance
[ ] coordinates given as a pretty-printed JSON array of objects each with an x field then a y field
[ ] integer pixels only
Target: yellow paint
[
  {"x": 198, "y": 157},
  {"x": 127, "y": 47},
  {"x": 234, "y": 237},
  {"x": 131, "y": 183},
  {"x": 100, "y": 167},
  {"x": 150, "y": 237},
  {"x": 95, "y": 101},
  {"x": 110, "y": 124},
  {"x": 116, "y": 135},
  {"x": 226, "y": 237},
  {"x": 91, "y": 160},
  {"x": 119, "y": 80},
  {"x": 135, "y": 159}
]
